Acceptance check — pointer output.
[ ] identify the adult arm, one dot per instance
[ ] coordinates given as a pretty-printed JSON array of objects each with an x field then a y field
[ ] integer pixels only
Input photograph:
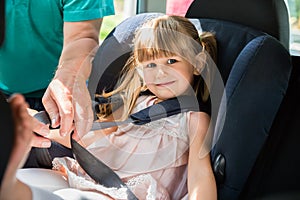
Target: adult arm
[{"x": 67, "y": 99}]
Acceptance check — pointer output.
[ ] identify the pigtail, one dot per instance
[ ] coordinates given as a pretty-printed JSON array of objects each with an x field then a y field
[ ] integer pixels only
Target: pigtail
[{"x": 209, "y": 44}]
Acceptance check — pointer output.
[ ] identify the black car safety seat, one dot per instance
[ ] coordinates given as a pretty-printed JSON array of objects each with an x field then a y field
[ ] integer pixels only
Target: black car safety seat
[{"x": 253, "y": 58}]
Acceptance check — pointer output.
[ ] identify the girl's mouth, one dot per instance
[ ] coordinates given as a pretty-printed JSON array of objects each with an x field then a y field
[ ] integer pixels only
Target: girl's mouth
[{"x": 165, "y": 83}]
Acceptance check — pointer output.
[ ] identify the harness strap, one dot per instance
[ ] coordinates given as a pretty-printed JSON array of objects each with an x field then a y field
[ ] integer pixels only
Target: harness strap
[{"x": 155, "y": 112}]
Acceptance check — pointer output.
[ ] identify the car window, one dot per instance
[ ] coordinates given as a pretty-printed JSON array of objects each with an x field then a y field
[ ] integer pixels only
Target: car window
[{"x": 294, "y": 12}]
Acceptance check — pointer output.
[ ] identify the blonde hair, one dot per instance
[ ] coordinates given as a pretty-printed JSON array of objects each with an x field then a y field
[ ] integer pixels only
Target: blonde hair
[{"x": 161, "y": 37}]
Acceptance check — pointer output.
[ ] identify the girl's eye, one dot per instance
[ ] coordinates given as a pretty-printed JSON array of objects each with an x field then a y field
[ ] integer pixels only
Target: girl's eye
[
  {"x": 171, "y": 61},
  {"x": 150, "y": 65}
]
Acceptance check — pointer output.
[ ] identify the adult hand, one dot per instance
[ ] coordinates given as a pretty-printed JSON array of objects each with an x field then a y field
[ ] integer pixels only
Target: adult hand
[
  {"x": 39, "y": 127},
  {"x": 68, "y": 102},
  {"x": 24, "y": 139},
  {"x": 23, "y": 122}
]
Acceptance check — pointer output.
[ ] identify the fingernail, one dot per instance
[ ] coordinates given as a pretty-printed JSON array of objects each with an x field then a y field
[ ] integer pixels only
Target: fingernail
[
  {"x": 53, "y": 121},
  {"x": 46, "y": 144}
]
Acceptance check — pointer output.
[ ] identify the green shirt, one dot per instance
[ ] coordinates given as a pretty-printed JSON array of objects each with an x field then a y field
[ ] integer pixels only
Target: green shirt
[{"x": 34, "y": 37}]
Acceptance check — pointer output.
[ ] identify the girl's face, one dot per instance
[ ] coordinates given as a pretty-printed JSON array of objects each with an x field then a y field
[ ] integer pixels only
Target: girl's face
[{"x": 168, "y": 77}]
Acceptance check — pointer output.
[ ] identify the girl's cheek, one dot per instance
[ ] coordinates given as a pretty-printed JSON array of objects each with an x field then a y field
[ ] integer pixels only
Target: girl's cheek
[{"x": 148, "y": 78}]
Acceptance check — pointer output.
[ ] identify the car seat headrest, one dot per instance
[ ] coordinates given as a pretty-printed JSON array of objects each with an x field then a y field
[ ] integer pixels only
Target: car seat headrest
[
  {"x": 231, "y": 39},
  {"x": 270, "y": 16}
]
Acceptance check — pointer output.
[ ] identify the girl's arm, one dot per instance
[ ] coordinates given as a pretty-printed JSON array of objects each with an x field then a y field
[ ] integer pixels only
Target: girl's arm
[{"x": 201, "y": 181}]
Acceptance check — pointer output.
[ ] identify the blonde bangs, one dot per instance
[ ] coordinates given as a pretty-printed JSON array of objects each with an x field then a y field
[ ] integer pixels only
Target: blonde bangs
[
  {"x": 147, "y": 54},
  {"x": 153, "y": 43},
  {"x": 167, "y": 48}
]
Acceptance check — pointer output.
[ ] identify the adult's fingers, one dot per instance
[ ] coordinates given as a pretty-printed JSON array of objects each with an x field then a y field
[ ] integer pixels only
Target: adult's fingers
[
  {"x": 59, "y": 106},
  {"x": 40, "y": 128},
  {"x": 40, "y": 142},
  {"x": 24, "y": 125},
  {"x": 66, "y": 116},
  {"x": 51, "y": 107}
]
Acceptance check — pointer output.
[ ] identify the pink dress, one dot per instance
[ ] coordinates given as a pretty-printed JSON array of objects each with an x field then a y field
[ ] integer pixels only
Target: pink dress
[{"x": 151, "y": 159}]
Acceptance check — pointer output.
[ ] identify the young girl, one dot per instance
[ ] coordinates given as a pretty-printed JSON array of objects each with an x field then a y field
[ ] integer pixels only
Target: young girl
[{"x": 158, "y": 160}]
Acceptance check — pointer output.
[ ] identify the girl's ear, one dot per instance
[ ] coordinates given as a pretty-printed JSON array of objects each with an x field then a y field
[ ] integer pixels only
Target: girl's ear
[{"x": 200, "y": 63}]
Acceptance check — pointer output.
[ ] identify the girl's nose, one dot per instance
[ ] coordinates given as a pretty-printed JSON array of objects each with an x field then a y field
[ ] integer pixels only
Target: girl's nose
[{"x": 160, "y": 71}]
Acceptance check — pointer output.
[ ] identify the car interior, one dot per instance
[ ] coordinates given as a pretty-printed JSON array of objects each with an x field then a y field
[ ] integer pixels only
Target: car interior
[{"x": 255, "y": 152}]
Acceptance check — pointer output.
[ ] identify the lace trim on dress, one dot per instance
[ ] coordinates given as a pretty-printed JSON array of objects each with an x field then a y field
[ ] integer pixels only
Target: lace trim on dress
[
  {"x": 85, "y": 183},
  {"x": 138, "y": 180}
]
